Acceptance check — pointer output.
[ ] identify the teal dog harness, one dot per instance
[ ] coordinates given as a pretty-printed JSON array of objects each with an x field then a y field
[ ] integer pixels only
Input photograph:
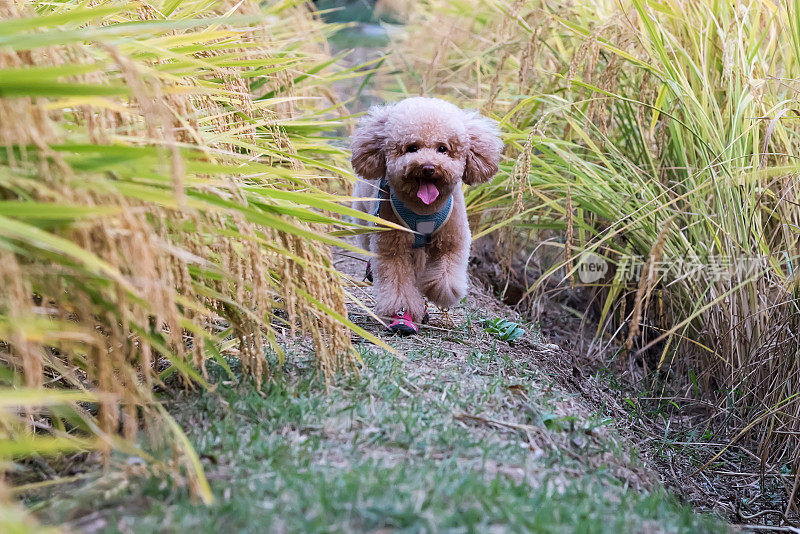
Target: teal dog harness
[{"x": 423, "y": 226}]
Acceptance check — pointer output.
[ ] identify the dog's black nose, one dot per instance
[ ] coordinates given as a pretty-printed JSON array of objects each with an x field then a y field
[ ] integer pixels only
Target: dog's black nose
[{"x": 428, "y": 170}]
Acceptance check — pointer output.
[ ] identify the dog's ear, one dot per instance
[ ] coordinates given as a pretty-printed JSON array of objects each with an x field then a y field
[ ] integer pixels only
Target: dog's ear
[
  {"x": 485, "y": 147},
  {"x": 367, "y": 143}
]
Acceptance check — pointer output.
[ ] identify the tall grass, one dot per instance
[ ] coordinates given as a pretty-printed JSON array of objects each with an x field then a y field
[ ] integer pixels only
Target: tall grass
[
  {"x": 164, "y": 203},
  {"x": 664, "y": 131}
]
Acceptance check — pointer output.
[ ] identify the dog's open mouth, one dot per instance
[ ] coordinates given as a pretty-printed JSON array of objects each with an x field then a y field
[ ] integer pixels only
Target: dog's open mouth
[{"x": 427, "y": 191}]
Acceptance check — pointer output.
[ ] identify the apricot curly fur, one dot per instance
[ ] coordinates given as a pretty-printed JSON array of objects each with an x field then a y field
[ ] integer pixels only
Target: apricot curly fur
[{"x": 397, "y": 142}]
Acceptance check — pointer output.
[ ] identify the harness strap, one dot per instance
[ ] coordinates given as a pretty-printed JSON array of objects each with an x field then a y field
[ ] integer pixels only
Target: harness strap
[{"x": 423, "y": 226}]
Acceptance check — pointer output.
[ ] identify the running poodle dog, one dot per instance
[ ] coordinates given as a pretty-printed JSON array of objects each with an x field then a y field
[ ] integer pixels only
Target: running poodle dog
[{"x": 412, "y": 157}]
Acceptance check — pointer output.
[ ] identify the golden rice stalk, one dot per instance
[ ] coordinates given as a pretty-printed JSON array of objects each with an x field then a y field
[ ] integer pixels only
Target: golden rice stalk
[
  {"x": 522, "y": 171},
  {"x": 570, "y": 234},
  {"x": 645, "y": 121},
  {"x": 648, "y": 278},
  {"x": 185, "y": 202}
]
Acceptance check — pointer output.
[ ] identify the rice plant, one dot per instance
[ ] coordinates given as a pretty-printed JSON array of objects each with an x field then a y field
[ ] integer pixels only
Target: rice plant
[
  {"x": 656, "y": 133},
  {"x": 165, "y": 202}
]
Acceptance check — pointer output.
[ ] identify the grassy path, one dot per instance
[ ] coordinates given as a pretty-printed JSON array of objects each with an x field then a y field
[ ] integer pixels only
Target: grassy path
[{"x": 465, "y": 433}]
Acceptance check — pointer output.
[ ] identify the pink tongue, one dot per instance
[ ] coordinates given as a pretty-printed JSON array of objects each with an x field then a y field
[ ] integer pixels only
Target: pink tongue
[{"x": 427, "y": 192}]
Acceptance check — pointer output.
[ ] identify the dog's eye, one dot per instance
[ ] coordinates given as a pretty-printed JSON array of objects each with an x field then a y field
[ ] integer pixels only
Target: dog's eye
[
  {"x": 412, "y": 148},
  {"x": 442, "y": 149}
]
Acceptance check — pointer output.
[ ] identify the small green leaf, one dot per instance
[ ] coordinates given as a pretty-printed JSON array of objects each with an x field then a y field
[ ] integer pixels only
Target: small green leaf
[{"x": 504, "y": 329}]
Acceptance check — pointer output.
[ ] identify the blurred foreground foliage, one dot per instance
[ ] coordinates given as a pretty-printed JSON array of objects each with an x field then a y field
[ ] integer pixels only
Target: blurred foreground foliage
[{"x": 166, "y": 200}]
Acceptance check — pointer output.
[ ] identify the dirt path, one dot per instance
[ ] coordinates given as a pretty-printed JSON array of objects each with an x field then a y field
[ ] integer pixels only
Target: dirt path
[
  {"x": 541, "y": 400},
  {"x": 538, "y": 372},
  {"x": 464, "y": 432}
]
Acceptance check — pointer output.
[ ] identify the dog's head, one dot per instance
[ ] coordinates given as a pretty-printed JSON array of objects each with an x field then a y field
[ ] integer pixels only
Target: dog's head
[{"x": 425, "y": 147}]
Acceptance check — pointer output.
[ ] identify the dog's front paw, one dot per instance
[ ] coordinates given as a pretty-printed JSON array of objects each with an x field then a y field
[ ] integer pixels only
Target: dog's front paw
[
  {"x": 444, "y": 289},
  {"x": 389, "y": 303}
]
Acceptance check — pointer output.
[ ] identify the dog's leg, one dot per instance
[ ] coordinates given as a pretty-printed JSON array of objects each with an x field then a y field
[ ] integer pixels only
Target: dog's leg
[
  {"x": 395, "y": 276},
  {"x": 444, "y": 280}
]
